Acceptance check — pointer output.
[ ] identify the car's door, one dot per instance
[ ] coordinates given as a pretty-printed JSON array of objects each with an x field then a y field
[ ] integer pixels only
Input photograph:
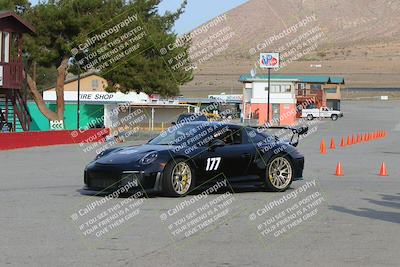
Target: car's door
[
  {"x": 229, "y": 161},
  {"x": 325, "y": 112},
  {"x": 260, "y": 145}
]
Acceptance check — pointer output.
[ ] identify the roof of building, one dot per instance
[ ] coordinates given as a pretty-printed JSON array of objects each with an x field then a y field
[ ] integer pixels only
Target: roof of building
[
  {"x": 297, "y": 78},
  {"x": 17, "y": 21},
  {"x": 72, "y": 78},
  {"x": 207, "y": 100}
]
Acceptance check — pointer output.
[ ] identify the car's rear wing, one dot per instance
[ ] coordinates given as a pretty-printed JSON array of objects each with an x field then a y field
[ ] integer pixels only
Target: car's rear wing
[{"x": 296, "y": 130}]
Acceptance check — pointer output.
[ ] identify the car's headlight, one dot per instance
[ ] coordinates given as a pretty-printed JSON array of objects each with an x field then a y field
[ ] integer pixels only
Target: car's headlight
[{"x": 149, "y": 158}]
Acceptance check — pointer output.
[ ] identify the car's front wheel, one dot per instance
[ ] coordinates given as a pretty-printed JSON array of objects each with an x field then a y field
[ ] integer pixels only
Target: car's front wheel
[
  {"x": 334, "y": 117},
  {"x": 279, "y": 173},
  {"x": 178, "y": 178}
]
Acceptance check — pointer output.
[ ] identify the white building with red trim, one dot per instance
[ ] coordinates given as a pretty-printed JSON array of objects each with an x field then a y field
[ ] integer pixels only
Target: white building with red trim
[{"x": 282, "y": 100}]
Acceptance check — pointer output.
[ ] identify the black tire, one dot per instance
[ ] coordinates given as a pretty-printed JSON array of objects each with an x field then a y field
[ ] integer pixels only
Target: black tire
[
  {"x": 310, "y": 117},
  {"x": 269, "y": 180},
  {"x": 334, "y": 117},
  {"x": 167, "y": 179}
]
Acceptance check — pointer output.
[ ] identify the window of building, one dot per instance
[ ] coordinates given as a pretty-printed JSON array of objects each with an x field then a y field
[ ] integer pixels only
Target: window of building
[
  {"x": 315, "y": 87},
  {"x": 275, "y": 88},
  {"x": 95, "y": 84},
  {"x": 301, "y": 86},
  {"x": 331, "y": 90},
  {"x": 6, "y": 41},
  {"x": 280, "y": 88},
  {"x": 286, "y": 88},
  {"x": 1, "y": 48},
  {"x": 15, "y": 39}
]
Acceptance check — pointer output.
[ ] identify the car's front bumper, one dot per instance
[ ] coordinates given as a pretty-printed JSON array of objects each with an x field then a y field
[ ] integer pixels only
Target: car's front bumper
[{"x": 108, "y": 179}]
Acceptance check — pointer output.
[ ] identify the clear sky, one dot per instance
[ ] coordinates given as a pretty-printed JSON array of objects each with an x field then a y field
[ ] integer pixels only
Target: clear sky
[{"x": 197, "y": 11}]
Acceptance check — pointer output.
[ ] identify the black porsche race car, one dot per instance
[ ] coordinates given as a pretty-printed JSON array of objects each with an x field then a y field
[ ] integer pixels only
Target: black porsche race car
[{"x": 190, "y": 154}]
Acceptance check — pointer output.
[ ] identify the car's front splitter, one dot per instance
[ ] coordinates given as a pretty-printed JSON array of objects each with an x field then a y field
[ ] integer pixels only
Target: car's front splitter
[{"x": 108, "y": 181}]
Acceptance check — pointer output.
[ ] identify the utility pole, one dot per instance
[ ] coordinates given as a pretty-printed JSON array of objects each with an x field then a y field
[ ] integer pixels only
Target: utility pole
[{"x": 269, "y": 94}]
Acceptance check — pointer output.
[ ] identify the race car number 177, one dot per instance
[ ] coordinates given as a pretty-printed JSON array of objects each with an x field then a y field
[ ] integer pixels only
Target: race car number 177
[{"x": 213, "y": 164}]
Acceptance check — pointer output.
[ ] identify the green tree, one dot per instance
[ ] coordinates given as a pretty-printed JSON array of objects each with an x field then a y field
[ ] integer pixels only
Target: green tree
[
  {"x": 65, "y": 28},
  {"x": 18, "y": 6}
]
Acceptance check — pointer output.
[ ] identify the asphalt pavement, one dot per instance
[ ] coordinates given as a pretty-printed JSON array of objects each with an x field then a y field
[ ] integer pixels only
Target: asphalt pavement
[{"x": 323, "y": 220}]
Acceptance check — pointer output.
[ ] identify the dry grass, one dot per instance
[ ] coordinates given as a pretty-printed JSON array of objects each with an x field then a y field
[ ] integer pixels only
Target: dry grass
[{"x": 361, "y": 42}]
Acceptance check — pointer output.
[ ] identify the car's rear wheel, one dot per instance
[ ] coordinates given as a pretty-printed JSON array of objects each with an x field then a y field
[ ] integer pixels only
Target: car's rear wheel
[
  {"x": 178, "y": 178},
  {"x": 334, "y": 117},
  {"x": 310, "y": 117},
  {"x": 279, "y": 173}
]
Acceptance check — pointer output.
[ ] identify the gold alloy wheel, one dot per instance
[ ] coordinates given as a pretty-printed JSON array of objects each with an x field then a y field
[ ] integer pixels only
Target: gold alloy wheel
[
  {"x": 280, "y": 172},
  {"x": 181, "y": 178}
]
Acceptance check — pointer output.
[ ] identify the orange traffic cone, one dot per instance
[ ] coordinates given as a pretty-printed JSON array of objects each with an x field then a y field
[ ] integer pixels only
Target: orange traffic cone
[
  {"x": 353, "y": 140},
  {"x": 332, "y": 146},
  {"x": 366, "y": 138},
  {"x": 343, "y": 143},
  {"x": 370, "y": 137},
  {"x": 383, "y": 170},
  {"x": 322, "y": 147},
  {"x": 359, "y": 139},
  {"x": 348, "y": 140},
  {"x": 339, "y": 169}
]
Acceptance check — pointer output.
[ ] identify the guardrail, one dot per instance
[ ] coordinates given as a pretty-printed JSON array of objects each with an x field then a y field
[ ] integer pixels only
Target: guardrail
[{"x": 37, "y": 139}]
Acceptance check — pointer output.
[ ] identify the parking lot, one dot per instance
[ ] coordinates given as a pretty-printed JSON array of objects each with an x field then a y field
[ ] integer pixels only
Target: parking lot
[{"x": 357, "y": 223}]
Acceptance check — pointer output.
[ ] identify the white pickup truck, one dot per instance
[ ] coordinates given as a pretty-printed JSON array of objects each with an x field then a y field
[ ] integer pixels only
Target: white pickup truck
[{"x": 322, "y": 112}]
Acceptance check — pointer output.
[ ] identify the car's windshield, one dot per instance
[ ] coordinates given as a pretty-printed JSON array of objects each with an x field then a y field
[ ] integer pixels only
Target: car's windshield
[
  {"x": 191, "y": 117},
  {"x": 177, "y": 134}
]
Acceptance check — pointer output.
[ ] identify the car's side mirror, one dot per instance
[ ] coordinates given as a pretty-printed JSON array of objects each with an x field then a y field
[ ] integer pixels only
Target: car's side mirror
[
  {"x": 300, "y": 130},
  {"x": 216, "y": 143}
]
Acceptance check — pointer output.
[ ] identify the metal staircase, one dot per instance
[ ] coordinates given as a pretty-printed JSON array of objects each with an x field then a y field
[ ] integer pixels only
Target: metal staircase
[{"x": 14, "y": 111}]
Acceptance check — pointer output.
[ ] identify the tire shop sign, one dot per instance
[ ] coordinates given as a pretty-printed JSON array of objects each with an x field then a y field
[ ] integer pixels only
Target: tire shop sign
[{"x": 86, "y": 96}]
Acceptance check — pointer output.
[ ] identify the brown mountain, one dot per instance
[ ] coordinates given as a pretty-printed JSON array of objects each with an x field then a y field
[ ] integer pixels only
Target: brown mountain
[{"x": 358, "y": 39}]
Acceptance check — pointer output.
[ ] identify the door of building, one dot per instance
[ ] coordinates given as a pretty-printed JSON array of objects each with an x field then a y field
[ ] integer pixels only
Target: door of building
[{"x": 276, "y": 114}]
